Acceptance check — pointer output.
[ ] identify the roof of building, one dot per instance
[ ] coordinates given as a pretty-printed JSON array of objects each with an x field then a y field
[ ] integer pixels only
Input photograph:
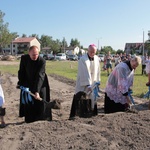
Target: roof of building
[
  {"x": 24, "y": 40},
  {"x": 135, "y": 45},
  {"x": 46, "y": 48}
]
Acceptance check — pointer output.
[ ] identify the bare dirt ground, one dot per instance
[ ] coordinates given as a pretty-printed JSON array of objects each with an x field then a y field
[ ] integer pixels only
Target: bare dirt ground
[{"x": 118, "y": 131}]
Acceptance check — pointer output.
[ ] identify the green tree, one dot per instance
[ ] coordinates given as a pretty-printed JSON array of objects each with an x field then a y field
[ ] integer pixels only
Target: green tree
[
  {"x": 56, "y": 46},
  {"x": 74, "y": 42},
  {"x": 36, "y": 36},
  {"x": 46, "y": 41},
  {"x": 63, "y": 45},
  {"x": 119, "y": 51},
  {"x": 24, "y": 35},
  {"x": 64, "y": 42},
  {"x": 5, "y": 36},
  {"x": 106, "y": 49}
]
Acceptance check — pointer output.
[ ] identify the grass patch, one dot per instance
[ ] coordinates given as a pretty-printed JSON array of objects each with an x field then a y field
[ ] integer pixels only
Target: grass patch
[
  {"x": 12, "y": 69},
  {"x": 68, "y": 69}
]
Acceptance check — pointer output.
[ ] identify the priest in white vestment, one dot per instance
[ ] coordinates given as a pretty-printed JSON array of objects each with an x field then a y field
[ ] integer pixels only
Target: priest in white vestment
[
  {"x": 88, "y": 73},
  {"x": 2, "y": 110}
]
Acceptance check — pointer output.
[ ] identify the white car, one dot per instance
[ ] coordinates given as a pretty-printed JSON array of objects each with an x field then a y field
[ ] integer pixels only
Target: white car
[
  {"x": 60, "y": 56},
  {"x": 101, "y": 57}
]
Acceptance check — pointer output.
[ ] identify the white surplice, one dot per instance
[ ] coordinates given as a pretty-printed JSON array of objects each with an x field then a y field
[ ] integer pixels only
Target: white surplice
[
  {"x": 88, "y": 72},
  {"x": 1, "y": 96},
  {"x": 119, "y": 82}
]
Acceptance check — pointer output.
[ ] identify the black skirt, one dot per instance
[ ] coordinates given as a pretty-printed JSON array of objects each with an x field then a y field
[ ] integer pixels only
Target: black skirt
[
  {"x": 82, "y": 107},
  {"x": 111, "y": 107}
]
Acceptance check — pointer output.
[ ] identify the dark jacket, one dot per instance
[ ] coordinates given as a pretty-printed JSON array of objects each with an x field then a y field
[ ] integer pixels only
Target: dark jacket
[{"x": 32, "y": 74}]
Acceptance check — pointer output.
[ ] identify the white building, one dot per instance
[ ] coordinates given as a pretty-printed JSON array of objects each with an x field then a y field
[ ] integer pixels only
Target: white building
[
  {"x": 74, "y": 51},
  {"x": 19, "y": 45}
]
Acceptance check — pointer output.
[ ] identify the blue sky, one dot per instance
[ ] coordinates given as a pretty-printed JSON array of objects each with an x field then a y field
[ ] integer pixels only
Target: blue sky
[{"x": 111, "y": 22}]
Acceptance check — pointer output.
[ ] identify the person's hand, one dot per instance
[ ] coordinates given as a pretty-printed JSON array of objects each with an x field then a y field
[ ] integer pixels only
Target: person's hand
[
  {"x": 18, "y": 86},
  {"x": 89, "y": 89},
  {"x": 128, "y": 100},
  {"x": 37, "y": 95}
]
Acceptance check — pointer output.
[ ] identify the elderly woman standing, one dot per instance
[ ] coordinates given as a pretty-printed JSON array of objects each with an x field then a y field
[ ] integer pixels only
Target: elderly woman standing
[{"x": 118, "y": 85}]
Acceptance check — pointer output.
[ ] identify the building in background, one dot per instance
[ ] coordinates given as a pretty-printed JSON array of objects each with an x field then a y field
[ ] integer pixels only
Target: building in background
[
  {"x": 74, "y": 51},
  {"x": 20, "y": 45},
  {"x": 131, "y": 48}
]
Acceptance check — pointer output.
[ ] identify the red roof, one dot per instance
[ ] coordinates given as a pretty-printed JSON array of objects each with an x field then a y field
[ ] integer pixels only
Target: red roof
[{"x": 23, "y": 40}]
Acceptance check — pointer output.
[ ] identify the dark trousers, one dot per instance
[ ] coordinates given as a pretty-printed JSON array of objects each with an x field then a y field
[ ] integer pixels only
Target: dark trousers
[
  {"x": 111, "y": 107},
  {"x": 34, "y": 112},
  {"x": 143, "y": 68},
  {"x": 73, "y": 107},
  {"x": 82, "y": 108}
]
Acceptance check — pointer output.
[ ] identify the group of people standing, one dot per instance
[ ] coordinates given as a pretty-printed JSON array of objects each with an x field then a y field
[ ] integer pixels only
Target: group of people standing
[
  {"x": 32, "y": 76},
  {"x": 108, "y": 59}
]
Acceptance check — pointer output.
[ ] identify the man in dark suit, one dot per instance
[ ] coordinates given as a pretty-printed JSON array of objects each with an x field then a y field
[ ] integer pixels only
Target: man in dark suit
[{"x": 32, "y": 75}]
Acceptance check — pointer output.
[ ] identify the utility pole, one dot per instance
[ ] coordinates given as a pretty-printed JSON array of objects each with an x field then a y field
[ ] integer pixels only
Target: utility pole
[
  {"x": 12, "y": 47},
  {"x": 143, "y": 42},
  {"x": 98, "y": 43},
  {"x": 64, "y": 43}
]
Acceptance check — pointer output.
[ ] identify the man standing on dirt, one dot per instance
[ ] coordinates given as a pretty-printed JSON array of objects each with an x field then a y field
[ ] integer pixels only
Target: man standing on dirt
[
  {"x": 32, "y": 75},
  {"x": 88, "y": 73}
]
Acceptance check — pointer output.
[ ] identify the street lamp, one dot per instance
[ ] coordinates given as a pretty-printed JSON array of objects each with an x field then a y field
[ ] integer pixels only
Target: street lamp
[
  {"x": 12, "y": 47},
  {"x": 98, "y": 43},
  {"x": 143, "y": 42}
]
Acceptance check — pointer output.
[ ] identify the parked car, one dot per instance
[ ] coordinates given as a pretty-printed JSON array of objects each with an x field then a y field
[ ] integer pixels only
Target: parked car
[
  {"x": 79, "y": 56},
  {"x": 60, "y": 56},
  {"x": 72, "y": 57},
  {"x": 48, "y": 56},
  {"x": 101, "y": 57},
  {"x": 41, "y": 55}
]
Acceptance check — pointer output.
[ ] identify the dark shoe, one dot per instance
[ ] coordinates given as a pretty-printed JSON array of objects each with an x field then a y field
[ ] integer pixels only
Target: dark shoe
[
  {"x": 129, "y": 110},
  {"x": 148, "y": 84},
  {"x": 3, "y": 125},
  {"x": 71, "y": 118}
]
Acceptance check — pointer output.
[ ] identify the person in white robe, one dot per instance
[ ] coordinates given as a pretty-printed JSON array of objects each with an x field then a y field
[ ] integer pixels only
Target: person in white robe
[
  {"x": 118, "y": 85},
  {"x": 88, "y": 73},
  {"x": 2, "y": 110}
]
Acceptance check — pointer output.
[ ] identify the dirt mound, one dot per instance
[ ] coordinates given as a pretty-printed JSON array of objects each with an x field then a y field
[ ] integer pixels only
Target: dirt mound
[
  {"x": 8, "y": 58},
  {"x": 118, "y": 131},
  {"x": 63, "y": 79}
]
